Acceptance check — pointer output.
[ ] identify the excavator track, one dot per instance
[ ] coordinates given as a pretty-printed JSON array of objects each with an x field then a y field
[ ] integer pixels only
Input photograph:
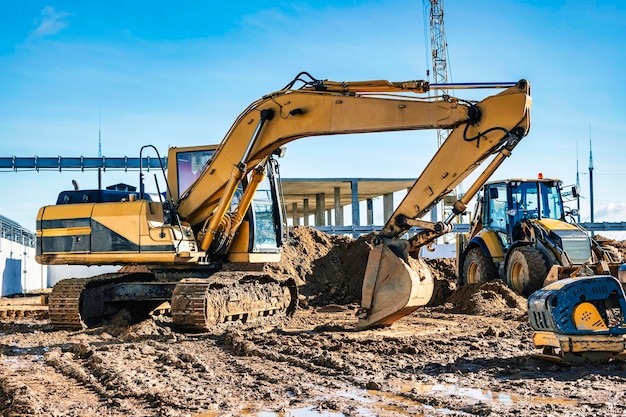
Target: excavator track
[
  {"x": 76, "y": 303},
  {"x": 64, "y": 304},
  {"x": 199, "y": 304}
]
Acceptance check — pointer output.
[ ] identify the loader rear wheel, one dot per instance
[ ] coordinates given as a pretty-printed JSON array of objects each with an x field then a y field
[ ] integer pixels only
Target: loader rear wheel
[
  {"x": 526, "y": 270},
  {"x": 478, "y": 268}
]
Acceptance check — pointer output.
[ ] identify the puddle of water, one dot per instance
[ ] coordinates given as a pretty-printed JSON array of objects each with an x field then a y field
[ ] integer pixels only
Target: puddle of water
[
  {"x": 298, "y": 412},
  {"x": 302, "y": 412},
  {"x": 373, "y": 402},
  {"x": 486, "y": 395}
]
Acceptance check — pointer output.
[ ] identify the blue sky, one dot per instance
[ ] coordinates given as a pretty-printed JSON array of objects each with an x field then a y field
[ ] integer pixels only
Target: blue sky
[{"x": 178, "y": 73}]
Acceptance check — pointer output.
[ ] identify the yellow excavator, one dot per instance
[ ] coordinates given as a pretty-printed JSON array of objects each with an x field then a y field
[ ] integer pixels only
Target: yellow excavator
[{"x": 202, "y": 244}]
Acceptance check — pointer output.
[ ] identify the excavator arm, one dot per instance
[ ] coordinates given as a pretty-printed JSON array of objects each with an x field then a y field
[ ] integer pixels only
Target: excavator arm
[{"x": 331, "y": 108}]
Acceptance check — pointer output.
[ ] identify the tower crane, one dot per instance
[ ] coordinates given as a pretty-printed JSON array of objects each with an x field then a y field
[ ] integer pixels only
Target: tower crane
[
  {"x": 439, "y": 51},
  {"x": 433, "y": 9}
]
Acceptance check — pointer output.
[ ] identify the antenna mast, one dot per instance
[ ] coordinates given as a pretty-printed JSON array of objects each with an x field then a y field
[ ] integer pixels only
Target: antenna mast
[
  {"x": 590, "y": 175},
  {"x": 99, "y": 152}
]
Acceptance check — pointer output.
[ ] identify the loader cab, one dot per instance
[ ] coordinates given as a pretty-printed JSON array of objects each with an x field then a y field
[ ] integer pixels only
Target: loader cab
[
  {"x": 509, "y": 202},
  {"x": 538, "y": 199}
]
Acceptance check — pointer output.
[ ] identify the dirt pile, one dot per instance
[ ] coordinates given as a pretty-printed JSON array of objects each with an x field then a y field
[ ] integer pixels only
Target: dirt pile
[
  {"x": 615, "y": 246},
  {"x": 491, "y": 299},
  {"x": 330, "y": 269}
]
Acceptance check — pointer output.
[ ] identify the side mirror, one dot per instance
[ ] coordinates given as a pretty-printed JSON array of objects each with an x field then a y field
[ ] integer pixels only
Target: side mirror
[
  {"x": 570, "y": 193},
  {"x": 280, "y": 152}
]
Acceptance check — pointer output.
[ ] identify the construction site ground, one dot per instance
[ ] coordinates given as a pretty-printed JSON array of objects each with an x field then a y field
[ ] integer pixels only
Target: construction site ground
[{"x": 467, "y": 353}]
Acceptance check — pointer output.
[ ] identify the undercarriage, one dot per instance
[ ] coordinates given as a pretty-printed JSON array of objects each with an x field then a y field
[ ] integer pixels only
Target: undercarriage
[{"x": 196, "y": 304}]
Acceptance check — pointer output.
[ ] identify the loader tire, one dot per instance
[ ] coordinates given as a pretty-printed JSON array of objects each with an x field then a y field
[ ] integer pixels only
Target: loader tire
[
  {"x": 526, "y": 270},
  {"x": 478, "y": 268}
]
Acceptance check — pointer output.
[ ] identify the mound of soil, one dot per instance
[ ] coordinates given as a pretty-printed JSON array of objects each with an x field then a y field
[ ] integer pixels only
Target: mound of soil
[
  {"x": 329, "y": 269},
  {"x": 492, "y": 299},
  {"x": 614, "y": 245}
]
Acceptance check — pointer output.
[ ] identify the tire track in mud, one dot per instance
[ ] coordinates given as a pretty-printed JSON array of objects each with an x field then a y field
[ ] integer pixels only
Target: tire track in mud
[
  {"x": 430, "y": 363},
  {"x": 156, "y": 373},
  {"x": 342, "y": 368},
  {"x": 296, "y": 376},
  {"x": 378, "y": 365},
  {"x": 27, "y": 383}
]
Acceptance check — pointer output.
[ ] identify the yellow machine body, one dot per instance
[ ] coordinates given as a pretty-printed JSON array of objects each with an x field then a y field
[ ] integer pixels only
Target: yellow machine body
[{"x": 217, "y": 207}]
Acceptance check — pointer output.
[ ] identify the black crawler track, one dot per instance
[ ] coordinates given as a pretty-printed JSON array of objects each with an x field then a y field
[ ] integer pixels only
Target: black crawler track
[{"x": 197, "y": 304}]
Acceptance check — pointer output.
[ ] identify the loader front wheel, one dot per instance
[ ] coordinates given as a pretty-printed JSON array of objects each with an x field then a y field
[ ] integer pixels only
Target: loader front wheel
[
  {"x": 526, "y": 270},
  {"x": 478, "y": 268}
]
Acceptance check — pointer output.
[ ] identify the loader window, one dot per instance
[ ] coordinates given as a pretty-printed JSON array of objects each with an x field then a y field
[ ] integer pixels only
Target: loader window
[
  {"x": 525, "y": 201},
  {"x": 497, "y": 207},
  {"x": 551, "y": 201}
]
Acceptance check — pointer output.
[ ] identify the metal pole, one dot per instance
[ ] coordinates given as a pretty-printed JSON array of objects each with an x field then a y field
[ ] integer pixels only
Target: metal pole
[{"x": 591, "y": 177}]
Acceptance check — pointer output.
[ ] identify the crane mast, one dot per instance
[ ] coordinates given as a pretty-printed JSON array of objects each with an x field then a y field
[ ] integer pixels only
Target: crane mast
[
  {"x": 439, "y": 52},
  {"x": 439, "y": 57}
]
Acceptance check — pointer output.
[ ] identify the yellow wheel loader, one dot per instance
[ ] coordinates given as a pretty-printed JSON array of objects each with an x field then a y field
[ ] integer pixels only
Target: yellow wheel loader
[
  {"x": 520, "y": 234},
  {"x": 200, "y": 246}
]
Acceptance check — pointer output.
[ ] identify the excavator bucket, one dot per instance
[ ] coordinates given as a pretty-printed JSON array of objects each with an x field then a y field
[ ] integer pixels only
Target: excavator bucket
[{"x": 392, "y": 288}]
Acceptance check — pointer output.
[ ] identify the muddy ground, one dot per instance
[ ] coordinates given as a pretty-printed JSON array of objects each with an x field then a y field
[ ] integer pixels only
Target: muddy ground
[{"x": 468, "y": 353}]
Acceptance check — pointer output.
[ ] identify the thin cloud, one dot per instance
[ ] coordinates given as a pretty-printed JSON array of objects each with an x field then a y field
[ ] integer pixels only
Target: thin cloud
[
  {"x": 51, "y": 22},
  {"x": 611, "y": 212}
]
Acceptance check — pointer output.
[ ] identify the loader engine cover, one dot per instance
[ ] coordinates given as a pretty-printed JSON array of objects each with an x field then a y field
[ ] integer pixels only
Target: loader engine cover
[
  {"x": 579, "y": 306},
  {"x": 575, "y": 243}
]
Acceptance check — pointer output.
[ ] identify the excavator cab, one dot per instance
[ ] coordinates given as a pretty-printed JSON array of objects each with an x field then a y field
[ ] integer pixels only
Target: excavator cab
[{"x": 261, "y": 233}]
